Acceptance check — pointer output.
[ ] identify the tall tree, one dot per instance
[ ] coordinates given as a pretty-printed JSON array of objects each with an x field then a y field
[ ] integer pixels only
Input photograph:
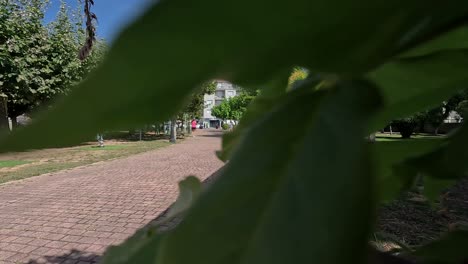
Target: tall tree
[
  {"x": 195, "y": 106},
  {"x": 64, "y": 63},
  {"x": 4, "y": 126},
  {"x": 23, "y": 62},
  {"x": 38, "y": 62}
]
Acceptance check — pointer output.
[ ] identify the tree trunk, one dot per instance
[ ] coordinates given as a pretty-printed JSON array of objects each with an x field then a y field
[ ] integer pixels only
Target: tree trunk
[
  {"x": 436, "y": 130},
  {"x": 391, "y": 130},
  {"x": 4, "y": 125},
  {"x": 14, "y": 122},
  {"x": 189, "y": 127},
  {"x": 173, "y": 137}
]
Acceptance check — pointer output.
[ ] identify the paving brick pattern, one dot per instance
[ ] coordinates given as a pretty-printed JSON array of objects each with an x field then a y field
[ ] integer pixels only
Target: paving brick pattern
[{"x": 73, "y": 216}]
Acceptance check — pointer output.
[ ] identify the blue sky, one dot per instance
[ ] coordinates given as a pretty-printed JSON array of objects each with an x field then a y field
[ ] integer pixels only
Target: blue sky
[{"x": 112, "y": 14}]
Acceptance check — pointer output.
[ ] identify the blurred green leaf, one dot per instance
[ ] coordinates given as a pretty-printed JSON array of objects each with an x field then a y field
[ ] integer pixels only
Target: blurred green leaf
[
  {"x": 442, "y": 161},
  {"x": 393, "y": 177},
  {"x": 449, "y": 161},
  {"x": 271, "y": 94},
  {"x": 414, "y": 84},
  {"x": 450, "y": 249},
  {"x": 433, "y": 187},
  {"x": 189, "y": 190},
  {"x": 275, "y": 185},
  {"x": 160, "y": 59},
  {"x": 455, "y": 39}
]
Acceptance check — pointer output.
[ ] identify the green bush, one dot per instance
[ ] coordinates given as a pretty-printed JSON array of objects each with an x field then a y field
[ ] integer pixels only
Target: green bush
[
  {"x": 225, "y": 126},
  {"x": 405, "y": 126}
]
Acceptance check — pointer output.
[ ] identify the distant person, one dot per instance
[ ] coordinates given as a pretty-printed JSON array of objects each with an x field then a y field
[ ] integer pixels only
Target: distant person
[{"x": 194, "y": 125}]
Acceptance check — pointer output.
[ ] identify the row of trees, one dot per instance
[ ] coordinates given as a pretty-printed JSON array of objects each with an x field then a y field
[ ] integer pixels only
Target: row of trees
[{"x": 39, "y": 61}]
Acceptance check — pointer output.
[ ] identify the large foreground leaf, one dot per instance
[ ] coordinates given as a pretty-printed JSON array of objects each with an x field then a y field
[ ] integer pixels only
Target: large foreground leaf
[
  {"x": 450, "y": 161},
  {"x": 442, "y": 166},
  {"x": 389, "y": 156},
  {"x": 455, "y": 39},
  {"x": 288, "y": 196},
  {"x": 271, "y": 94},
  {"x": 176, "y": 45},
  {"x": 414, "y": 84}
]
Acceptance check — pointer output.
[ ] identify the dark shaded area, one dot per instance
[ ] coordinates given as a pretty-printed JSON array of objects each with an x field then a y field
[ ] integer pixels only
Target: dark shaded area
[
  {"x": 74, "y": 256},
  {"x": 414, "y": 221},
  {"x": 216, "y": 133}
]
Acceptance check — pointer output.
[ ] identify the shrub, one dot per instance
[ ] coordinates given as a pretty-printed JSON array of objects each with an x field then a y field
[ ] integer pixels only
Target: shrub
[
  {"x": 225, "y": 126},
  {"x": 406, "y": 126}
]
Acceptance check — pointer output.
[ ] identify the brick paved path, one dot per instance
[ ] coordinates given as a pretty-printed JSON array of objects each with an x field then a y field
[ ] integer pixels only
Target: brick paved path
[{"x": 72, "y": 216}]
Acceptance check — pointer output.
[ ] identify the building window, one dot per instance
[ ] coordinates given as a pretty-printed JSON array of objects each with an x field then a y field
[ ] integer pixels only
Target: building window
[
  {"x": 218, "y": 102},
  {"x": 209, "y": 103},
  {"x": 230, "y": 93},
  {"x": 220, "y": 94}
]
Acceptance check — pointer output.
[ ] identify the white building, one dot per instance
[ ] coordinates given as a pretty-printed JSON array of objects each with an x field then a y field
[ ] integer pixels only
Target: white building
[{"x": 223, "y": 90}]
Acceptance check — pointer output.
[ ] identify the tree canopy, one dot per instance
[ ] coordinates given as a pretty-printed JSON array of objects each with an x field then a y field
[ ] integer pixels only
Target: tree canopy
[
  {"x": 39, "y": 62},
  {"x": 232, "y": 108},
  {"x": 195, "y": 106}
]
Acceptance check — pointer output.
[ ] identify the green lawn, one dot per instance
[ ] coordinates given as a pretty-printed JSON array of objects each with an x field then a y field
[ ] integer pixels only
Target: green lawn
[
  {"x": 397, "y": 136},
  {"x": 12, "y": 163},
  {"x": 51, "y": 160}
]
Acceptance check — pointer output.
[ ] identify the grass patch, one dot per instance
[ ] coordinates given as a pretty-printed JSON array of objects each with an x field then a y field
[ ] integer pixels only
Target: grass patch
[
  {"x": 112, "y": 147},
  {"x": 12, "y": 163},
  {"x": 53, "y": 160},
  {"x": 397, "y": 136}
]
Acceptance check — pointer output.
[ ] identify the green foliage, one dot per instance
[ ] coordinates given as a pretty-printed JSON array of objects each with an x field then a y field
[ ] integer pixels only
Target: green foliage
[
  {"x": 406, "y": 126},
  {"x": 462, "y": 109},
  {"x": 232, "y": 108},
  {"x": 225, "y": 126},
  {"x": 12, "y": 163},
  {"x": 410, "y": 85},
  {"x": 437, "y": 115},
  {"x": 390, "y": 157},
  {"x": 307, "y": 196},
  {"x": 196, "y": 104},
  {"x": 38, "y": 62}
]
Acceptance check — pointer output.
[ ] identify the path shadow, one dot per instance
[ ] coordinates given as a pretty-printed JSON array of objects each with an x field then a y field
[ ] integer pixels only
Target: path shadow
[
  {"x": 74, "y": 256},
  {"x": 163, "y": 223},
  {"x": 211, "y": 133}
]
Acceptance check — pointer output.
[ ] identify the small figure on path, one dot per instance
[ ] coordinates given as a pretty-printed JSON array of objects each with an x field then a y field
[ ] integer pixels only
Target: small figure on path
[
  {"x": 100, "y": 139},
  {"x": 194, "y": 125}
]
